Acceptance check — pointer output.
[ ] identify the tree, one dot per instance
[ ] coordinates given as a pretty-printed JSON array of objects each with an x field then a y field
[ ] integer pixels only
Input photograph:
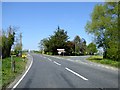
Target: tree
[
  {"x": 4, "y": 45},
  {"x": 44, "y": 45},
  {"x": 7, "y": 42},
  {"x": 80, "y": 45},
  {"x": 77, "y": 42},
  {"x": 55, "y": 41},
  {"x": 91, "y": 49},
  {"x": 83, "y": 46},
  {"x": 70, "y": 48},
  {"x": 103, "y": 26},
  {"x": 0, "y": 45},
  {"x": 18, "y": 45},
  {"x": 17, "y": 48}
]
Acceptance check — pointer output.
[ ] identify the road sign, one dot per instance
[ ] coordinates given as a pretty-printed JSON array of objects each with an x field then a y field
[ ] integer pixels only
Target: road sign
[{"x": 61, "y": 51}]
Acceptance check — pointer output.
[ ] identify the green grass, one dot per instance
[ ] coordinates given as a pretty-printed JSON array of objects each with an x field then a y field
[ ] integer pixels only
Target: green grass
[
  {"x": 99, "y": 59},
  {"x": 7, "y": 74},
  {"x": 0, "y": 74}
]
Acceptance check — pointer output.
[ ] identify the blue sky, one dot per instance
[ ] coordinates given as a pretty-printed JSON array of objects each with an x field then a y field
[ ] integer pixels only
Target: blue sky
[{"x": 39, "y": 20}]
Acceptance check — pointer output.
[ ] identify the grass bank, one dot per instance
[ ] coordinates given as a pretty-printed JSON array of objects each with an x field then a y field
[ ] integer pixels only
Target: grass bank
[
  {"x": 7, "y": 74},
  {"x": 99, "y": 59}
]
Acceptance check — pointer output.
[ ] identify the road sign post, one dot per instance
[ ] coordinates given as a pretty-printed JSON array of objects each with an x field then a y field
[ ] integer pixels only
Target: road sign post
[
  {"x": 1, "y": 57},
  {"x": 61, "y": 51},
  {"x": 12, "y": 64}
]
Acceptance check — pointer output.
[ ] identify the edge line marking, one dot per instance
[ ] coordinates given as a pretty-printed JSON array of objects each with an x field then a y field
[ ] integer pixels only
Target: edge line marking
[{"x": 23, "y": 75}]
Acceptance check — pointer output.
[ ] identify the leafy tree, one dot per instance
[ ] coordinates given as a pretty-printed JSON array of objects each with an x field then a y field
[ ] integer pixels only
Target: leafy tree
[
  {"x": 18, "y": 44},
  {"x": 17, "y": 48},
  {"x": 118, "y": 29},
  {"x": 91, "y": 49},
  {"x": 58, "y": 40},
  {"x": 80, "y": 45},
  {"x": 83, "y": 46},
  {"x": 4, "y": 45},
  {"x": 70, "y": 48},
  {"x": 77, "y": 42},
  {"x": 7, "y": 42},
  {"x": 44, "y": 45},
  {"x": 103, "y": 24},
  {"x": 0, "y": 46}
]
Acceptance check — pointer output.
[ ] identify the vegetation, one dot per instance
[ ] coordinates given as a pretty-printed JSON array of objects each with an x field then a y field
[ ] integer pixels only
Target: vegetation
[
  {"x": 8, "y": 47},
  {"x": 91, "y": 49},
  {"x": 99, "y": 59},
  {"x": 0, "y": 44},
  {"x": 60, "y": 41},
  {"x": 77, "y": 41},
  {"x": 70, "y": 48},
  {"x": 7, "y": 42},
  {"x": 104, "y": 26},
  {"x": 18, "y": 45},
  {"x": 7, "y": 74},
  {"x": 80, "y": 45}
]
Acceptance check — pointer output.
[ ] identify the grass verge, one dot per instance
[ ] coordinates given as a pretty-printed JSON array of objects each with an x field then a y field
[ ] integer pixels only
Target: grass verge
[
  {"x": 99, "y": 59},
  {"x": 0, "y": 74},
  {"x": 7, "y": 74}
]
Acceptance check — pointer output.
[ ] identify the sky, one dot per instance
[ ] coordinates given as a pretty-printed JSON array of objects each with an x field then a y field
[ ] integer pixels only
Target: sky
[{"x": 38, "y": 20}]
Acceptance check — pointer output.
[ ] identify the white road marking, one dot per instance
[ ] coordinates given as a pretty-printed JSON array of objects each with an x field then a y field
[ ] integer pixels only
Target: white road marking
[
  {"x": 49, "y": 59},
  {"x": 68, "y": 59},
  {"x": 76, "y": 73},
  {"x": 23, "y": 75},
  {"x": 98, "y": 65},
  {"x": 44, "y": 57},
  {"x": 57, "y": 63},
  {"x": 107, "y": 67}
]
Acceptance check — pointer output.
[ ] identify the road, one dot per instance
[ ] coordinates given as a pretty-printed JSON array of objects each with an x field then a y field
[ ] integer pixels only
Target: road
[{"x": 51, "y": 72}]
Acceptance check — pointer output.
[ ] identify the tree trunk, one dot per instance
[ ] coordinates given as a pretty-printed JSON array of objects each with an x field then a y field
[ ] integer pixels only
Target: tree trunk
[{"x": 105, "y": 54}]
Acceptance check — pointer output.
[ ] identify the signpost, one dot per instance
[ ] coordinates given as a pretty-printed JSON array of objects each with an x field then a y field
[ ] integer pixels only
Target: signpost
[
  {"x": 12, "y": 64},
  {"x": 1, "y": 57},
  {"x": 61, "y": 51}
]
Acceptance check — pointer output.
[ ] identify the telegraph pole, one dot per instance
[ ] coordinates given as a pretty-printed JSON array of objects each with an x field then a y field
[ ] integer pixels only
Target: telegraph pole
[
  {"x": 21, "y": 43},
  {"x": 75, "y": 48},
  {"x": 21, "y": 40}
]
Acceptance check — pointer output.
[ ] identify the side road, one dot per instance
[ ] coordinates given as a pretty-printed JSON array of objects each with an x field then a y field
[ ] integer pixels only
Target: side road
[
  {"x": 20, "y": 77},
  {"x": 82, "y": 60}
]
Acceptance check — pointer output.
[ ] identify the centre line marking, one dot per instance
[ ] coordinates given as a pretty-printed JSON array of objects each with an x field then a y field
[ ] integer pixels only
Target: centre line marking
[
  {"x": 57, "y": 63},
  {"x": 49, "y": 59},
  {"x": 44, "y": 57},
  {"x": 76, "y": 73}
]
